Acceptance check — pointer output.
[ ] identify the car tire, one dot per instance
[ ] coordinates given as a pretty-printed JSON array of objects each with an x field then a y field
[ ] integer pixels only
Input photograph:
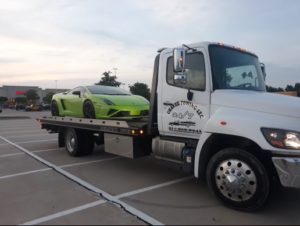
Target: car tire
[
  {"x": 89, "y": 110},
  {"x": 54, "y": 109},
  {"x": 238, "y": 179}
]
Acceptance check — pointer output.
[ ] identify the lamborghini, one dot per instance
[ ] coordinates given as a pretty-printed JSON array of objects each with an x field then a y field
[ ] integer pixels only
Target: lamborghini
[{"x": 101, "y": 102}]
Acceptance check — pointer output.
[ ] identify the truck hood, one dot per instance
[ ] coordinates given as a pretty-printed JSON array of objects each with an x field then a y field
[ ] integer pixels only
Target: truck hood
[{"x": 258, "y": 101}]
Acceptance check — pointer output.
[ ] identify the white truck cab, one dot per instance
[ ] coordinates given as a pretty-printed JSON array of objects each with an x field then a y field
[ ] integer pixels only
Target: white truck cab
[{"x": 216, "y": 94}]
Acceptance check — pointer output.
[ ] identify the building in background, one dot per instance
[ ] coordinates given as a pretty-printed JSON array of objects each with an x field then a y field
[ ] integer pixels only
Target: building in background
[{"x": 11, "y": 92}]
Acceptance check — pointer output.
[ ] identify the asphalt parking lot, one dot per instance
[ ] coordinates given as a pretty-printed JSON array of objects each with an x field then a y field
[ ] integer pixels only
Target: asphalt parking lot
[{"x": 41, "y": 184}]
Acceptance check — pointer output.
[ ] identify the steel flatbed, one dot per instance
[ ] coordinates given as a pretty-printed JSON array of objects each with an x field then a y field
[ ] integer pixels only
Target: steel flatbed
[{"x": 133, "y": 127}]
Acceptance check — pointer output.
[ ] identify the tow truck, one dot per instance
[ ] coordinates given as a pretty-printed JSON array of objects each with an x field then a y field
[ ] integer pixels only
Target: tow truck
[{"x": 210, "y": 113}]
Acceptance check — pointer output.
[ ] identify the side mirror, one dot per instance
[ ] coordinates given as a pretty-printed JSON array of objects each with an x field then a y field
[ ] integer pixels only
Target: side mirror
[
  {"x": 180, "y": 79},
  {"x": 77, "y": 93},
  {"x": 179, "y": 59},
  {"x": 263, "y": 69}
]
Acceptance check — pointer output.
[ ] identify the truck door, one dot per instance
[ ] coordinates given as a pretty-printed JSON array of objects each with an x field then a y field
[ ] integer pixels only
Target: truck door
[{"x": 184, "y": 107}]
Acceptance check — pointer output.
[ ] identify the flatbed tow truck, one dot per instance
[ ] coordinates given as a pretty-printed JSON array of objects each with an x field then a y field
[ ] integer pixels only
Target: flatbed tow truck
[{"x": 209, "y": 112}]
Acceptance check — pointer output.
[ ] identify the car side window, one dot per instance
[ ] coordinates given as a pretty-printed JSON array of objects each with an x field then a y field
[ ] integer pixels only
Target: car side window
[{"x": 195, "y": 72}]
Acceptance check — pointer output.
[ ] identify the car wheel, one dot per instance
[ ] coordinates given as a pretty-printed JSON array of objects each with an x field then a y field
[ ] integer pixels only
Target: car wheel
[
  {"x": 238, "y": 179},
  {"x": 89, "y": 110},
  {"x": 54, "y": 109}
]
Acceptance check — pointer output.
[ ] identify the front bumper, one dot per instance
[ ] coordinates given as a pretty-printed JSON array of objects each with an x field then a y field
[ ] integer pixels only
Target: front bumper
[{"x": 288, "y": 170}]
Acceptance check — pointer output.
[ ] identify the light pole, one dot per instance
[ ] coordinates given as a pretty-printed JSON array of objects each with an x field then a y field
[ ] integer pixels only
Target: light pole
[
  {"x": 115, "y": 70},
  {"x": 55, "y": 86}
]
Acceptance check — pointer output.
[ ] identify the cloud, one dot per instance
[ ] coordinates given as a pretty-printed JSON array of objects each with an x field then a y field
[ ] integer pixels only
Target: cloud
[{"x": 75, "y": 39}]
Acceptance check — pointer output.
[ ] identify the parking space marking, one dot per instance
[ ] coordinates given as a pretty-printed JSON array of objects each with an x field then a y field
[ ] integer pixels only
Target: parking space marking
[
  {"x": 142, "y": 190},
  {"x": 29, "y": 142},
  {"x": 93, "y": 204},
  {"x": 89, "y": 162},
  {"x": 22, "y": 153},
  {"x": 64, "y": 213},
  {"x": 30, "y": 135},
  {"x": 18, "y": 132},
  {"x": 35, "y": 141},
  {"x": 130, "y": 209},
  {"x": 47, "y": 150},
  {"x": 61, "y": 166},
  {"x": 25, "y": 173},
  {"x": 10, "y": 155}
]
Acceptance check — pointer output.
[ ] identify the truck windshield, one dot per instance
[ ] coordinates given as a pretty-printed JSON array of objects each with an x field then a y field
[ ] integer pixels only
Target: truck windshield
[{"x": 234, "y": 69}]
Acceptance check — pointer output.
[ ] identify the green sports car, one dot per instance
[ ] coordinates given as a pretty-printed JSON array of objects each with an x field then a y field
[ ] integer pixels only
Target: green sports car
[{"x": 103, "y": 102}]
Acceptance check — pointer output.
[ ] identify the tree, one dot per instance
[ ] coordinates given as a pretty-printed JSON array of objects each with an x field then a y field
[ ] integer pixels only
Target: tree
[
  {"x": 141, "y": 89},
  {"x": 273, "y": 89},
  {"x": 3, "y": 99},
  {"x": 109, "y": 80},
  {"x": 47, "y": 99},
  {"x": 32, "y": 95},
  {"x": 289, "y": 88}
]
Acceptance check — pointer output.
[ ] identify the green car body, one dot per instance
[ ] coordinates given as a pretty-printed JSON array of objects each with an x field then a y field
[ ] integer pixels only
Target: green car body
[{"x": 101, "y": 102}]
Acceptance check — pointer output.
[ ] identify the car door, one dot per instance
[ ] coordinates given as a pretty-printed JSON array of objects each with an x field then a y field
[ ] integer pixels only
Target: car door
[
  {"x": 184, "y": 107},
  {"x": 75, "y": 103}
]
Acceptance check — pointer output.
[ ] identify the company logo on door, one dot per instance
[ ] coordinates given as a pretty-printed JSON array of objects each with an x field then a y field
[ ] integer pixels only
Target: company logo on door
[{"x": 184, "y": 119}]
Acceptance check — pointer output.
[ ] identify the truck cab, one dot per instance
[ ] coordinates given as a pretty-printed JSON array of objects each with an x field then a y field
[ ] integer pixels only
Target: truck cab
[{"x": 214, "y": 113}]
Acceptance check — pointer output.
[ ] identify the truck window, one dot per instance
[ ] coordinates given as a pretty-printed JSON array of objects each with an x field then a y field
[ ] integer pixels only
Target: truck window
[
  {"x": 234, "y": 69},
  {"x": 195, "y": 72}
]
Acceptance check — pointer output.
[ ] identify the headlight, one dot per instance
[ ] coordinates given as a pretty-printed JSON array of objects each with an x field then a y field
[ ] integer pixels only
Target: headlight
[{"x": 282, "y": 138}]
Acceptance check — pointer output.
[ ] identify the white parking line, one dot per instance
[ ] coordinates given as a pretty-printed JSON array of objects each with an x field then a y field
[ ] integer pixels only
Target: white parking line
[
  {"x": 145, "y": 217},
  {"x": 35, "y": 141},
  {"x": 89, "y": 162},
  {"x": 19, "y": 132},
  {"x": 142, "y": 190},
  {"x": 29, "y": 142},
  {"x": 61, "y": 166},
  {"x": 22, "y": 153},
  {"x": 24, "y": 173},
  {"x": 10, "y": 155},
  {"x": 47, "y": 150},
  {"x": 64, "y": 213},
  {"x": 31, "y": 135},
  {"x": 94, "y": 204}
]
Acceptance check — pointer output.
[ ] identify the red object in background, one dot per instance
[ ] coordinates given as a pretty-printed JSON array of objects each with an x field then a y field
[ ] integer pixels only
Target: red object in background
[{"x": 20, "y": 93}]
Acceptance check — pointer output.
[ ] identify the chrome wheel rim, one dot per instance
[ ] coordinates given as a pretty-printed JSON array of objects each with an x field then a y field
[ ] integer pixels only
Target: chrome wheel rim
[
  {"x": 236, "y": 180},
  {"x": 71, "y": 142}
]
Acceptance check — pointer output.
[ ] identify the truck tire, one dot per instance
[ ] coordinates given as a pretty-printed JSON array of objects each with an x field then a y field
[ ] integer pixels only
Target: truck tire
[
  {"x": 238, "y": 179},
  {"x": 78, "y": 142}
]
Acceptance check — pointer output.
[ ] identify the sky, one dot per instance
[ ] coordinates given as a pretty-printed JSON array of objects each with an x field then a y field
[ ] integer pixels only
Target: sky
[{"x": 68, "y": 43}]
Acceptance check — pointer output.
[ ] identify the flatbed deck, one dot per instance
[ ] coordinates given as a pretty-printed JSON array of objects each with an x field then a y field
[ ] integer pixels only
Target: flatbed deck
[{"x": 132, "y": 127}]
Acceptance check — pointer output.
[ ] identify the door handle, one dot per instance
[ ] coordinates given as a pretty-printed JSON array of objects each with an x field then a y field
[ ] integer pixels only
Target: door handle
[{"x": 168, "y": 104}]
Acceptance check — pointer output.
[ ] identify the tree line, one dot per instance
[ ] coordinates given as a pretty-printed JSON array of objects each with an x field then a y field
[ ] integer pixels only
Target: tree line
[
  {"x": 137, "y": 88},
  {"x": 288, "y": 88}
]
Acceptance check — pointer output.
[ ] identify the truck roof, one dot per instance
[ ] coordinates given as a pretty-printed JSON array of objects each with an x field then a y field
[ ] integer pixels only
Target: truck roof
[{"x": 205, "y": 44}]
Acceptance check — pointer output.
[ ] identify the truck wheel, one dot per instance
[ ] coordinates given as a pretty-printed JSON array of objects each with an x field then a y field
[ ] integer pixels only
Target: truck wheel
[
  {"x": 89, "y": 110},
  {"x": 72, "y": 142},
  {"x": 54, "y": 109},
  {"x": 78, "y": 142},
  {"x": 238, "y": 179}
]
